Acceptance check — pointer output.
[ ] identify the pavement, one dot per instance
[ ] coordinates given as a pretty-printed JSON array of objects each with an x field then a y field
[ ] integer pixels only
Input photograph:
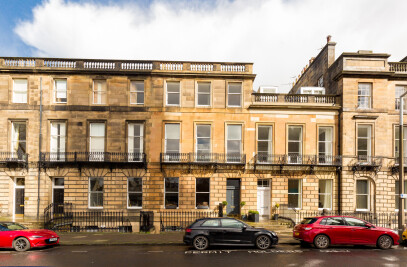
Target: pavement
[{"x": 126, "y": 239}]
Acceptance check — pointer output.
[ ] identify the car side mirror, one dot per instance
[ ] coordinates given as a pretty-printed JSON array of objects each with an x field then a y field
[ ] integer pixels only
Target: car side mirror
[
  {"x": 368, "y": 225},
  {"x": 244, "y": 227}
]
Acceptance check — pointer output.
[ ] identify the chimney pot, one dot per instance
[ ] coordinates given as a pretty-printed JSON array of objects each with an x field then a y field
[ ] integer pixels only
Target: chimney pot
[{"x": 328, "y": 38}]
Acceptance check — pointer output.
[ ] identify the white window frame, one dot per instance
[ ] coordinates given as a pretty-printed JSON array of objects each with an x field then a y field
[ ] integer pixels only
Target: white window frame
[
  {"x": 399, "y": 90},
  {"x": 196, "y": 141},
  {"x": 97, "y": 192},
  {"x": 263, "y": 183},
  {"x": 196, "y": 192},
  {"x": 227, "y": 139},
  {"x": 299, "y": 193},
  {"x": 141, "y": 136},
  {"x": 96, "y": 156},
  {"x": 13, "y": 141},
  {"x": 328, "y": 156},
  {"x": 134, "y": 192},
  {"x": 57, "y": 186},
  {"x": 165, "y": 192},
  {"x": 136, "y": 92},
  {"x": 368, "y": 195},
  {"x": 241, "y": 95},
  {"x": 368, "y": 138},
  {"x": 396, "y": 142},
  {"x": 15, "y": 100},
  {"x": 99, "y": 92},
  {"x": 369, "y": 96},
  {"x": 179, "y": 94},
  {"x": 295, "y": 158},
  {"x": 198, "y": 93},
  {"x": 56, "y": 90},
  {"x": 59, "y": 154},
  {"x": 270, "y": 143},
  {"x": 168, "y": 158},
  {"x": 326, "y": 194}
]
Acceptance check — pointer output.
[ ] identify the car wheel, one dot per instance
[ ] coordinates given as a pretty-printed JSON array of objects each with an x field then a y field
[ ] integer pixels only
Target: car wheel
[
  {"x": 21, "y": 244},
  {"x": 263, "y": 242},
  {"x": 321, "y": 241},
  {"x": 384, "y": 242},
  {"x": 200, "y": 242}
]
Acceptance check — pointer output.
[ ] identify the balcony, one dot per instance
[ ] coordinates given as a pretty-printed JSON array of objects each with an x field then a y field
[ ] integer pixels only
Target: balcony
[
  {"x": 79, "y": 159},
  {"x": 262, "y": 100},
  {"x": 366, "y": 163},
  {"x": 394, "y": 165},
  {"x": 398, "y": 67},
  {"x": 211, "y": 160},
  {"x": 270, "y": 160},
  {"x": 123, "y": 66},
  {"x": 14, "y": 159}
]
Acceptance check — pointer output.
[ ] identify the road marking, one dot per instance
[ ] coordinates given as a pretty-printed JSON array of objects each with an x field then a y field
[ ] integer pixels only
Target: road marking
[
  {"x": 246, "y": 251},
  {"x": 334, "y": 251}
]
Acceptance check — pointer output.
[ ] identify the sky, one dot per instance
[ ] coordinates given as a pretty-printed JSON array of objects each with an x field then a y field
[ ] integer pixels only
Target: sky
[{"x": 278, "y": 36}]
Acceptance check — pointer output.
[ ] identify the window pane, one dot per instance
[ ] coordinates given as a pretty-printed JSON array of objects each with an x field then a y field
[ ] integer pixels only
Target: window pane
[
  {"x": 294, "y": 133},
  {"x": 354, "y": 222},
  {"x": 59, "y": 181},
  {"x": 202, "y": 200},
  {"x": 171, "y": 184},
  {"x": 96, "y": 199},
  {"x": 334, "y": 221},
  {"x": 264, "y": 133},
  {"x": 294, "y": 148},
  {"x": 172, "y": 131},
  {"x": 325, "y": 186},
  {"x": 362, "y": 187},
  {"x": 203, "y": 131},
  {"x": 140, "y": 98},
  {"x": 361, "y": 202},
  {"x": 234, "y": 100},
  {"x": 293, "y": 186},
  {"x": 234, "y": 132},
  {"x": 325, "y": 202},
  {"x": 211, "y": 223},
  {"x": 171, "y": 200},
  {"x": 96, "y": 184},
  {"x": 202, "y": 184},
  {"x": 173, "y": 99},
  {"x": 135, "y": 185},
  {"x": 293, "y": 201},
  {"x": 204, "y": 100},
  {"x": 235, "y": 88},
  {"x": 229, "y": 223},
  {"x": 97, "y": 129},
  {"x": 204, "y": 87},
  {"x": 173, "y": 87},
  {"x": 20, "y": 89},
  {"x": 135, "y": 200}
]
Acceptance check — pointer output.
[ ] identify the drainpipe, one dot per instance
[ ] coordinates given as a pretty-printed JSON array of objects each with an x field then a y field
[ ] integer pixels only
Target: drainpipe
[
  {"x": 339, "y": 172},
  {"x": 39, "y": 153}
]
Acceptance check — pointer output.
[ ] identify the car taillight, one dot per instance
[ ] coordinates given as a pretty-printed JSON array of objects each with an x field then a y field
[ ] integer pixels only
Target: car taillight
[
  {"x": 307, "y": 228},
  {"x": 187, "y": 230}
]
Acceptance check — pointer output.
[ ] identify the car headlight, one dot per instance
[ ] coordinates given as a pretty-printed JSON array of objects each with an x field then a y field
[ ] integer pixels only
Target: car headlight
[{"x": 37, "y": 236}]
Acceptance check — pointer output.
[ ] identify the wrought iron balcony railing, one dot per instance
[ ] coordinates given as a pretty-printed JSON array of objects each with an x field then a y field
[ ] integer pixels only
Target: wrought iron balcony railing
[
  {"x": 203, "y": 158},
  {"x": 368, "y": 161},
  {"x": 13, "y": 157},
  {"x": 77, "y": 157},
  {"x": 297, "y": 159}
]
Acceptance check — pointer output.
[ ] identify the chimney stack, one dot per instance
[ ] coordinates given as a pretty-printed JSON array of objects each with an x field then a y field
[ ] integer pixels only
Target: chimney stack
[{"x": 328, "y": 38}]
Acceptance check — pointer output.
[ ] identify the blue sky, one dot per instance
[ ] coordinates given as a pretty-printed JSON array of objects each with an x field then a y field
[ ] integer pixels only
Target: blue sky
[{"x": 278, "y": 36}]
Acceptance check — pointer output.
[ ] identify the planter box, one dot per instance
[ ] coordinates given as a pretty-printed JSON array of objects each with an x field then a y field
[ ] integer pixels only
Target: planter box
[{"x": 253, "y": 217}]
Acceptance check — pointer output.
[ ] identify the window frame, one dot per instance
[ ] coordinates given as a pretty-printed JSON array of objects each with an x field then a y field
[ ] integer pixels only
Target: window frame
[
  {"x": 227, "y": 139},
  {"x": 137, "y": 92},
  {"x": 56, "y": 90},
  {"x": 141, "y": 136},
  {"x": 13, "y": 99},
  {"x": 197, "y": 94},
  {"x": 104, "y": 81},
  {"x": 397, "y": 96},
  {"x": 59, "y": 137},
  {"x": 165, "y": 192},
  {"x": 13, "y": 134},
  {"x": 369, "y": 149},
  {"x": 325, "y": 194},
  {"x": 396, "y": 142},
  {"x": 299, "y": 193},
  {"x": 196, "y": 140},
  {"x": 368, "y": 195},
  {"x": 166, "y": 94},
  {"x": 98, "y": 192},
  {"x": 301, "y": 144},
  {"x": 270, "y": 141},
  {"x": 134, "y": 192},
  {"x": 327, "y": 158},
  {"x": 196, "y": 192},
  {"x": 369, "y": 96},
  {"x": 228, "y": 93}
]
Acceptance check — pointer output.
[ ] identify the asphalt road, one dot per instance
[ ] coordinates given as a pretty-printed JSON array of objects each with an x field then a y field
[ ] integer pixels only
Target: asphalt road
[{"x": 165, "y": 256}]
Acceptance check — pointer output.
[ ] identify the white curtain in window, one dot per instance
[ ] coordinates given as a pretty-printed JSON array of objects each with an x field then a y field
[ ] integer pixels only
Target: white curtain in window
[
  {"x": 97, "y": 137},
  {"x": 20, "y": 91},
  {"x": 58, "y": 131},
  {"x": 60, "y": 88},
  {"x": 135, "y": 141}
]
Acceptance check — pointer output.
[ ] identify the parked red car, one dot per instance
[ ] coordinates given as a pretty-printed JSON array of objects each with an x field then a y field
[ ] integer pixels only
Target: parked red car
[
  {"x": 335, "y": 230},
  {"x": 17, "y": 236}
]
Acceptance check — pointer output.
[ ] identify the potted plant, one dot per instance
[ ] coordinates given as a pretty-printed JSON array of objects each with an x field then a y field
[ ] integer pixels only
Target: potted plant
[
  {"x": 244, "y": 216},
  {"x": 253, "y": 216},
  {"x": 276, "y": 213},
  {"x": 224, "y": 204}
]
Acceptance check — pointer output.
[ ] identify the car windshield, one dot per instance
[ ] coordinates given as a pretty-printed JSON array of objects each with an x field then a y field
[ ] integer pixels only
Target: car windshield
[
  {"x": 308, "y": 220},
  {"x": 11, "y": 226}
]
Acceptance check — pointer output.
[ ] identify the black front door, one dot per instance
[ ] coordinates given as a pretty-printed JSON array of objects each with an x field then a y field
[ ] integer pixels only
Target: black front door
[
  {"x": 233, "y": 196},
  {"x": 58, "y": 200},
  {"x": 19, "y": 201}
]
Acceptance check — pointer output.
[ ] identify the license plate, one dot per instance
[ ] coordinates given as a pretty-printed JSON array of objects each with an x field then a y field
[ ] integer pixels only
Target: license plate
[
  {"x": 53, "y": 239},
  {"x": 297, "y": 233}
]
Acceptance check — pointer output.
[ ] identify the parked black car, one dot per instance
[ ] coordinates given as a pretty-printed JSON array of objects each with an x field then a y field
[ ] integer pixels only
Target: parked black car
[{"x": 227, "y": 231}]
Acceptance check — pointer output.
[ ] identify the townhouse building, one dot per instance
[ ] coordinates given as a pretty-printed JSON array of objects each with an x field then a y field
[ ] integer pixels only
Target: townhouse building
[
  {"x": 369, "y": 88},
  {"x": 120, "y": 135}
]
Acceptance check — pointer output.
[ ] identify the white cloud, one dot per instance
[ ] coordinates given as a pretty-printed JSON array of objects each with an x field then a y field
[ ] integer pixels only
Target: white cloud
[{"x": 278, "y": 36}]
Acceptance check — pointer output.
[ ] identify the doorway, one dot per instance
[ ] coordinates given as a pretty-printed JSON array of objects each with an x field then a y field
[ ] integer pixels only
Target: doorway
[
  {"x": 263, "y": 197},
  {"x": 233, "y": 196},
  {"x": 19, "y": 196},
  {"x": 58, "y": 194}
]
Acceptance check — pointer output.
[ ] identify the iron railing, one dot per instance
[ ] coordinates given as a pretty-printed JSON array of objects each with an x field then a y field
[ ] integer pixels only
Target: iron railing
[
  {"x": 381, "y": 219},
  {"x": 179, "y": 220},
  {"x": 297, "y": 159},
  {"x": 78, "y": 157},
  {"x": 204, "y": 158},
  {"x": 87, "y": 221},
  {"x": 13, "y": 157},
  {"x": 368, "y": 160}
]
